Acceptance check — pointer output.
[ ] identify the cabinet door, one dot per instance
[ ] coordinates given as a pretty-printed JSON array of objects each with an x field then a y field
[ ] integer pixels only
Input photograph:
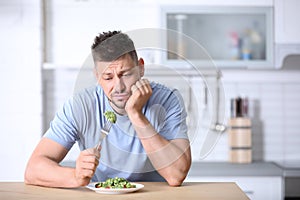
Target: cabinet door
[
  {"x": 208, "y": 36},
  {"x": 256, "y": 188},
  {"x": 287, "y": 29}
]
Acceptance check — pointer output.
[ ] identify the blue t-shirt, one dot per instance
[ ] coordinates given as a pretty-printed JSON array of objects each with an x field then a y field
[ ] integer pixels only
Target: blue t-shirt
[{"x": 122, "y": 153}]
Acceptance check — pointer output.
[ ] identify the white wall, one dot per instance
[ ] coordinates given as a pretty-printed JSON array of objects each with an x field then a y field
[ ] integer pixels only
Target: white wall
[{"x": 20, "y": 85}]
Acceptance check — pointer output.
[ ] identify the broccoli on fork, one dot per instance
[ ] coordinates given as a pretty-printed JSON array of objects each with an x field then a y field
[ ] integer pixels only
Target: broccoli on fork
[{"x": 110, "y": 116}]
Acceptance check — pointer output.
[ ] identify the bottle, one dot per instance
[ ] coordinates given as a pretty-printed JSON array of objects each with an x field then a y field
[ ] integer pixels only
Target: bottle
[
  {"x": 257, "y": 42},
  {"x": 246, "y": 46},
  {"x": 234, "y": 45}
]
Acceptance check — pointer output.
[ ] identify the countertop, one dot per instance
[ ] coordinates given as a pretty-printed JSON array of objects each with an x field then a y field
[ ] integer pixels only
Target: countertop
[
  {"x": 290, "y": 168},
  {"x": 231, "y": 169},
  {"x": 152, "y": 190},
  {"x": 260, "y": 168}
]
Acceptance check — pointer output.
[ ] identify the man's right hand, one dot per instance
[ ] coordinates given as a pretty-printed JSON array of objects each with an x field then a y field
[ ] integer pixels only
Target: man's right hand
[{"x": 86, "y": 165}]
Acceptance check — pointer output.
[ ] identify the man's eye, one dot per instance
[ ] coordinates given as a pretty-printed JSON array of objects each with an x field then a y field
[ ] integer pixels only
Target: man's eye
[
  {"x": 127, "y": 74},
  {"x": 107, "y": 78}
]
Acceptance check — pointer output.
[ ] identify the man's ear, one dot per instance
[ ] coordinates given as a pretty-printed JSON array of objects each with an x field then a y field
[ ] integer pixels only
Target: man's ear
[{"x": 141, "y": 66}]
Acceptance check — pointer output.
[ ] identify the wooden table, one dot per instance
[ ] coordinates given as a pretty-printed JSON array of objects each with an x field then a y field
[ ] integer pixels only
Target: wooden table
[{"x": 151, "y": 191}]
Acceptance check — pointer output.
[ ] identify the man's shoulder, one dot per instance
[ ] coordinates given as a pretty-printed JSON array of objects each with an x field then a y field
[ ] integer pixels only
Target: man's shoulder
[
  {"x": 163, "y": 90},
  {"x": 165, "y": 95},
  {"x": 86, "y": 97},
  {"x": 158, "y": 87},
  {"x": 88, "y": 93}
]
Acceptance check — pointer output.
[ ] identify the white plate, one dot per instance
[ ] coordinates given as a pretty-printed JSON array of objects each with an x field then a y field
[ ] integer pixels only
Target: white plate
[{"x": 91, "y": 186}]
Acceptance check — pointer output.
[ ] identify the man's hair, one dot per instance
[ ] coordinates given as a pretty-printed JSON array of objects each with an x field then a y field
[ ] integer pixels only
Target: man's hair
[{"x": 109, "y": 46}]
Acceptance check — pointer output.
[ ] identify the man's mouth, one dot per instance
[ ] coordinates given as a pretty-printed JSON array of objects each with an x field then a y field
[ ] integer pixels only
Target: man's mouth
[{"x": 120, "y": 97}]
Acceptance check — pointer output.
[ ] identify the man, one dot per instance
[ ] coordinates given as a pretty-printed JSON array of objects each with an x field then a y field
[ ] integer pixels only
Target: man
[{"x": 148, "y": 142}]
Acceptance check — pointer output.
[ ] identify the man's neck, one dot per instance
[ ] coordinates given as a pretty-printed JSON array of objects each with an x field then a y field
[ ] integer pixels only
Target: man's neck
[{"x": 119, "y": 111}]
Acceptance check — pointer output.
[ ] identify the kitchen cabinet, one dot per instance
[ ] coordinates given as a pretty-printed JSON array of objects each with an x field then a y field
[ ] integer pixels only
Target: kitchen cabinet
[
  {"x": 287, "y": 40},
  {"x": 259, "y": 180},
  {"x": 224, "y": 36},
  {"x": 256, "y": 188},
  {"x": 286, "y": 13}
]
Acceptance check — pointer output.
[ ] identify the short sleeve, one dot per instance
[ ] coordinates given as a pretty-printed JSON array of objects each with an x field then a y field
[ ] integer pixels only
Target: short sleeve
[
  {"x": 168, "y": 115},
  {"x": 63, "y": 128}
]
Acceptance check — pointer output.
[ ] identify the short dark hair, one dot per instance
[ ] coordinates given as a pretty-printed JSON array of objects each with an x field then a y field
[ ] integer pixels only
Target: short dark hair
[{"x": 111, "y": 45}]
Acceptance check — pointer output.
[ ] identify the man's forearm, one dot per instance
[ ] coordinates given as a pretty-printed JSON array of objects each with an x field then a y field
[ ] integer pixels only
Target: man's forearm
[
  {"x": 45, "y": 172},
  {"x": 170, "y": 158}
]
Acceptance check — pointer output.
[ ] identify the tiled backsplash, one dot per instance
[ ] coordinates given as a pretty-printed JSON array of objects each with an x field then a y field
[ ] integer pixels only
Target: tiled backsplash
[
  {"x": 274, "y": 111},
  {"x": 274, "y": 107}
]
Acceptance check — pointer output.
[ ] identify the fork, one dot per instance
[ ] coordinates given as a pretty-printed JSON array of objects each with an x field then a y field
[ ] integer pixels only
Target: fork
[{"x": 104, "y": 132}]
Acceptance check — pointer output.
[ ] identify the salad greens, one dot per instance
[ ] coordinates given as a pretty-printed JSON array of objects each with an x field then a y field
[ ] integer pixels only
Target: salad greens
[
  {"x": 110, "y": 116},
  {"x": 115, "y": 183}
]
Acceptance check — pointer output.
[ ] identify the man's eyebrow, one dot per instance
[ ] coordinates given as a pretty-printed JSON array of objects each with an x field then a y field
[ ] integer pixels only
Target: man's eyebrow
[
  {"x": 107, "y": 72},
  {"x": 126, "y": 69},
  {"x": 122, "y": 70}
]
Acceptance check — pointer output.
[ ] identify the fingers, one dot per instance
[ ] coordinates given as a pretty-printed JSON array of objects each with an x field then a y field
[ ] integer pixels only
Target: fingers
[
  {"x": 87, "y": 163},
  {"x": 142, "y": 86},
  {"x": 92, "y": 151}
]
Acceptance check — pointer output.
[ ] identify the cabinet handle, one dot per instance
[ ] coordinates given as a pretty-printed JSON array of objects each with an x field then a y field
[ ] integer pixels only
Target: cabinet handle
[{"x": 249, "y": 192}]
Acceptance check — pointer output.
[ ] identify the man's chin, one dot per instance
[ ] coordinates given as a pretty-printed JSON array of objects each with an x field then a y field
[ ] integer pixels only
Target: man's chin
[{"x": 119, "y": 104}]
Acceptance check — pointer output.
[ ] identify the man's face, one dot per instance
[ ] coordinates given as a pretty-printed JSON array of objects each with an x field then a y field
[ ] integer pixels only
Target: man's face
[{"x": 116, "y": 79}]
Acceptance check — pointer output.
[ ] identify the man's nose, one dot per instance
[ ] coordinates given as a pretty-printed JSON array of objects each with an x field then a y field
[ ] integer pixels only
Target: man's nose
[{"x": 119, "y": 84}]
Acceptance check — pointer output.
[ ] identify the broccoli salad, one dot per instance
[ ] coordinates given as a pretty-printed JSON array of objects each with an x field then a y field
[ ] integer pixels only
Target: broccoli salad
[{"x": 115, "y": 183}]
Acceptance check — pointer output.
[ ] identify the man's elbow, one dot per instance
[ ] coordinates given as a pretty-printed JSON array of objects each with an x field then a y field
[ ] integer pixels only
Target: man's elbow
[
  {"x": 29, "y": 175},
  {"x": 176, "y": 181},
  {"x": 177, "y": 178},
  {"x": 27, "y": 178}
]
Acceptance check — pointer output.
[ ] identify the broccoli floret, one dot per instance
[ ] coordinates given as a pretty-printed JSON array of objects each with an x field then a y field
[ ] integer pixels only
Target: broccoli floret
[{"x": 110, "y": 116}]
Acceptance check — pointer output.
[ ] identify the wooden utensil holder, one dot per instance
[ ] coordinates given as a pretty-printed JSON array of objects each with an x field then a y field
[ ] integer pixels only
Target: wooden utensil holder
[{"x": 240, "y": 140}]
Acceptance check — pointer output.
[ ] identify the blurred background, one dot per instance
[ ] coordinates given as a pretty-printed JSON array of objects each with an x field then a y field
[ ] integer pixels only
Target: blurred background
[{"x": 251, "y": 51}]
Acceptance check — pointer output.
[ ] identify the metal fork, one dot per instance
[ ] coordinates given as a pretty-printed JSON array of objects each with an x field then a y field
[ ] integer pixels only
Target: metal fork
[{"x": 103, "y": 133}]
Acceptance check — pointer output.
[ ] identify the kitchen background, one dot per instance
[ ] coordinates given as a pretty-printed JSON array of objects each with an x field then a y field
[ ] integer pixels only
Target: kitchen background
[{"x": 45, "y": 43}]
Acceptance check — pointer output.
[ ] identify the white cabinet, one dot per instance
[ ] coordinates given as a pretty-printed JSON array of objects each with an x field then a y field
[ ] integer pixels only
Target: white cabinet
[
  {"x": 219, "y": 2},
  {"x": 221, "y": 36},
  {"x": 256, "y": 188},
  {"x": 286, "y": 15},
  {"x": 287, "y": 30}
]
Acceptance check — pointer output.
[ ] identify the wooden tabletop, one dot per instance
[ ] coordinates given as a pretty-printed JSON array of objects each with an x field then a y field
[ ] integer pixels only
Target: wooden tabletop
[{"x": 151, "y": 191}]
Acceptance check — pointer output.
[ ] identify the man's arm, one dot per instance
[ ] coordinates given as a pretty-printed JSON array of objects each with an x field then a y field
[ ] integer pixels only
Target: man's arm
[
  {"x": 43, "y": 166},
  {"x": 172, "y": 159}
]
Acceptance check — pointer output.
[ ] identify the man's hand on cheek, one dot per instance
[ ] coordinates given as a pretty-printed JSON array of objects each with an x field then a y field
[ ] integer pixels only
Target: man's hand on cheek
[{"x": 141, "y": 92}]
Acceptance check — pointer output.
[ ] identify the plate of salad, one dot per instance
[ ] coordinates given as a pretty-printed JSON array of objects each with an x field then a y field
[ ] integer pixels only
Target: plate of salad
[{"x": 114, "y": 186}]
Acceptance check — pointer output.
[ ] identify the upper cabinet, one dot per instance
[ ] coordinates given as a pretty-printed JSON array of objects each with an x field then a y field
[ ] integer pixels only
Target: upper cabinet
[
  {"x": 287, "y": 32},
  {"x": 286, "y": 15},
  {"x": 228, "y": 34},
  {"x": 224, "y": 36}
]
